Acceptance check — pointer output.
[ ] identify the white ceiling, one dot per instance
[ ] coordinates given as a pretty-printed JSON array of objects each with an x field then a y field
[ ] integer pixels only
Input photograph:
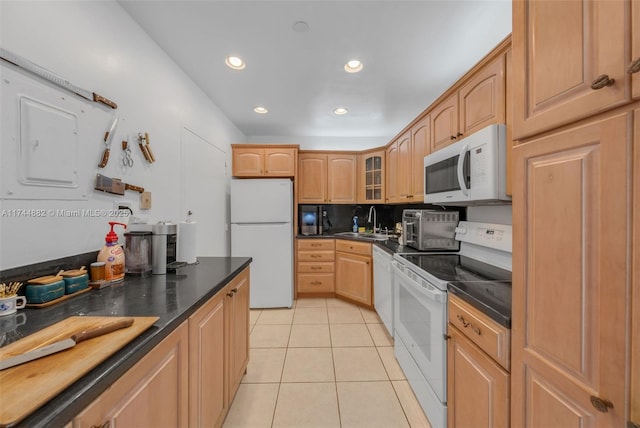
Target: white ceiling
[{"x": 412, "y": 51}]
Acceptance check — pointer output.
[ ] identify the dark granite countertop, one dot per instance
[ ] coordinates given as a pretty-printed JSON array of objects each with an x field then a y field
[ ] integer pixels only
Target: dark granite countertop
[{"x": 172, "y": 297}]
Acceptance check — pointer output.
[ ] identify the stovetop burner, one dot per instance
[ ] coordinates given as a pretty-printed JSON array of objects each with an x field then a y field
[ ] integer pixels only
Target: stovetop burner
[{"x": 455, "y": 267}]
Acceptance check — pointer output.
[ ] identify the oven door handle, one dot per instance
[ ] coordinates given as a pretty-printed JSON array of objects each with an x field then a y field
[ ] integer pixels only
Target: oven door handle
[{"x": 432, "y": 293}]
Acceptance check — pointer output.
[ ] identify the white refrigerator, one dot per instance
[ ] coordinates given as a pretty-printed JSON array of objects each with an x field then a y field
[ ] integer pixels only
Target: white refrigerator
[{"x": 261, "y": 228}]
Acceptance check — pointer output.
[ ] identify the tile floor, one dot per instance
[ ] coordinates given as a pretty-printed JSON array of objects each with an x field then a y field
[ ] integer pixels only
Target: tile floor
[{"x": 323, "y": 363}]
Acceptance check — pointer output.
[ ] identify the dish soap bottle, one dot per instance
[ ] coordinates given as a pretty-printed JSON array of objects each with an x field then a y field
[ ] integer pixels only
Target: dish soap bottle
[
  {"x": 112, "y": 255},
  {"x": 355, "y": 223}
]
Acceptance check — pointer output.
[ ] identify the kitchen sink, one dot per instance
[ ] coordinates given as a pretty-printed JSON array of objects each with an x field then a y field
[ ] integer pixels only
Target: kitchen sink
[{"x": 365, "y": 235}]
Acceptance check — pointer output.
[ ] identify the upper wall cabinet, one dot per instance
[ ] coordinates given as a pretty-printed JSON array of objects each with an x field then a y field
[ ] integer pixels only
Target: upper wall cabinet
[
  {"x": 371, "y": 177},
  {"x": 573, "y": 54},
  {"x": 478, "y": 103},
  {"x": 327, "y": 178},
  {"x": 264, "y": 161}
]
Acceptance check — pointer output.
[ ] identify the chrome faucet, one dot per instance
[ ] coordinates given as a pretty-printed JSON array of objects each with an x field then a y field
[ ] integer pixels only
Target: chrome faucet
[{"x": 373, "y": 208}]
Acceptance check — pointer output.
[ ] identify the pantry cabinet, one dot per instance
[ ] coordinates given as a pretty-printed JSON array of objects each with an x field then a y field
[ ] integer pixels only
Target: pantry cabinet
[
  {"x": 327, "y": 178},
  {"x": 316, "y": 266},
  {"x": 263, "y": 161},
  {"x": 354, "y": 271},
  {"x": 159, "y": 378},
  {"x": 573, "y": 61},
  {"x": 570, "y": 273},
  {"x": 371, "y": 184}
]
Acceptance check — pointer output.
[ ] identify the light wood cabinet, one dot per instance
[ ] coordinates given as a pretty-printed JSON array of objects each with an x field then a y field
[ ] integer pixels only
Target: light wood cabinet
[
  {"x": 327, "y": 178},
  {"x": 208, "y": 401},
  {"x": 403, "y": 171},
  {"x": 263, "y": 161},
  {"x": 371, "y": 184},
  {"x": 482, "y": 99},
  {"x": 392, "y": 194},
  {"x": 316, "y": 266},
  {"x": 420, "y": 147},
  {"x": 560, "y": 83},
  {"x": 477, "y": 387},
  {"x": 153, "y": 393},
  {"x": 237, "y": 329},
  {"x": 570, "y": 290},
  {"x": 354, "y": 271},
  {"x": 634, "y": 65},
  {"x": 634, "y": 414},
  {"x": 444, "y": 123}
]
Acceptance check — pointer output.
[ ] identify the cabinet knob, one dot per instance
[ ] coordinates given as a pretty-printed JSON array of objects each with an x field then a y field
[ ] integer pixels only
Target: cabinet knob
[
  {"x": 230, "y": 294},
  {"x": 602, "y": 81},
  {"x": 634, "y": 67},
  {"x": 452, "y": 138},
  {"x": 459, "y": 134},
  {"x": 601, "y": 405},
  {"x": 234, "y": 291}
]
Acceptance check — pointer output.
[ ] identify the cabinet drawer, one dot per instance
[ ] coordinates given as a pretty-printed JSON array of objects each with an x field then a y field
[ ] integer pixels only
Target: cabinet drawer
[
  {"x": 316, "y": 244},
  {"x": 319, "y": 267},
  {"x": 490, "y": 336},
  {"x": 316, "y": 283},
  {"x": 316, "y": 256},
  {"x": 353, "y": 247}
]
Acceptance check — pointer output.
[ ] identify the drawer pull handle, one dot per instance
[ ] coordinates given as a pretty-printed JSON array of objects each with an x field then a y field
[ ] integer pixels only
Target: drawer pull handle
[
  {"x": 466, "y": 324},
  {"x": 602, "y": 81},
  {"x": 316, "y": 283},
  {"x": 105, "y": 424},
  {"x": 316, "y": 268},
  {"x": 315, "y": 256},
  {"x": 601, "y": 405},
  {"x": 634, "y": 67}
]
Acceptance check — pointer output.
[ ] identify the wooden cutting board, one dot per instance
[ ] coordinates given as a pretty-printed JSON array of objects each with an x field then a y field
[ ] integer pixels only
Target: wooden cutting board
[{"x": 26, "y": 387}]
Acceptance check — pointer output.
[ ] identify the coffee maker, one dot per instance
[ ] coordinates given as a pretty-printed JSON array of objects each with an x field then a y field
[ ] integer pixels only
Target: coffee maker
[{"x": 164, "y": 246}]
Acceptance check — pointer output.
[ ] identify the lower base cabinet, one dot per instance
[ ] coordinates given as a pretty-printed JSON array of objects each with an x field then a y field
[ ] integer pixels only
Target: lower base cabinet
[
  {"x": 354, "y": 271},
  {"x": 191, "y": 377},
  {"x": 152, "y": 393},
  {"x": 478, "y": 388}
]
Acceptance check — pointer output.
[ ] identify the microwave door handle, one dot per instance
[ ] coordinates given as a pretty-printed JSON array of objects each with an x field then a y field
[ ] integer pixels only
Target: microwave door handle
[{"x": 461, "y": 180}]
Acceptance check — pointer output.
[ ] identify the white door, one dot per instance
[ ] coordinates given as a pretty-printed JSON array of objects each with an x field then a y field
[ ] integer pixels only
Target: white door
[
  {"x": 271, "y": 247},
  {"x": 204, "y": 167}
]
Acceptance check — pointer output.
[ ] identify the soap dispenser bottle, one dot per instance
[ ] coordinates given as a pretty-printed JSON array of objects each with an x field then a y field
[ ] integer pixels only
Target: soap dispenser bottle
[
  {"x": 112, "y": 255},
  {"x": 355, "y": 223}
]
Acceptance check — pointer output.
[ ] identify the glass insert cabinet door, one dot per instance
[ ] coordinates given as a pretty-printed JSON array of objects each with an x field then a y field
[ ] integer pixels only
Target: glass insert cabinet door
[{"x": 373, "y": 177}]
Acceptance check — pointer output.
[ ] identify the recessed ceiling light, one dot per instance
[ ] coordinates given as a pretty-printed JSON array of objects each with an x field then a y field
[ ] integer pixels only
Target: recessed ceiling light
[
  {"x": 260, "y": 110},
  {"x": 340, "y": 110},
  {"x": 235, "y": 62},
  {"x": 300, "y": 27},
  {"x": 353, "y": 66}
]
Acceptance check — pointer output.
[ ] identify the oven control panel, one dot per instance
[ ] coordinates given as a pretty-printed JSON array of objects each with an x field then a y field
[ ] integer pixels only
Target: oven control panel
[{"x": 497, "y": 236}]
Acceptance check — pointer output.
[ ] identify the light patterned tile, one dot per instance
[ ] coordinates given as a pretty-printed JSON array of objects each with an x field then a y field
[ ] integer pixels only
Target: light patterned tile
[
  {"x": 276, "y": 316},
  {"x": 412, "y": 409},
  {"x": 310, "y": 316},
  {"x": 345, "y": 316},
  {"x": 265, "y": 365},
  {"x": 311, "y": 302},
  {"x": 338, "y": 303},
  {"x": 269, "y": 336},
  {"x": 369, "y": 404},
  {"x": 310, "y": 336},
  {"x": 370, "y": 317},
  {"x": 307, "y": 405},
  {"x": 390, "y": 363},
  {"x": 253, "y": 406},
  {"x": 350, "y": 335},
  {"x": 379, "y": 335},
  {"x": 358, "y": 364},
  {"x": 254, "y": 314},
  {"x": 308, "y": 365}
]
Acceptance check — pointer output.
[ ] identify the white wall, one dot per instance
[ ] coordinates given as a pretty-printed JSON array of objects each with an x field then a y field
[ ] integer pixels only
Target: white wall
[
  {"x": 325, "y": 143},
  {"x": 97, "y": 46}
]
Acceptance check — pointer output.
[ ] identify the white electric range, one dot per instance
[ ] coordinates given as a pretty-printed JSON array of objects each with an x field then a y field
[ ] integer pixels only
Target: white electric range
[{"x": 420, "y": 313}]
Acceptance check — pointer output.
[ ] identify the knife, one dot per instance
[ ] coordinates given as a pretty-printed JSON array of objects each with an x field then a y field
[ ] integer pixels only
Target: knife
[
  {"x": 108, "y": 136},
  {"x": 54, "y": 78},
  {"x": 61, "y": 345},
  {"x": 114, "y": 185}
]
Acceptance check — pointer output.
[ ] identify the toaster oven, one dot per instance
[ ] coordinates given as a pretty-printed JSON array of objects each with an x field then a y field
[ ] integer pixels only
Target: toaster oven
[{"x": 430, "y": 229}]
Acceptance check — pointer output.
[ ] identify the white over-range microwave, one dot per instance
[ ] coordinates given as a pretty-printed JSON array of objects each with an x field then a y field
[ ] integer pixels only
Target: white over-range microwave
[{"x": 471, "y": 171}]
